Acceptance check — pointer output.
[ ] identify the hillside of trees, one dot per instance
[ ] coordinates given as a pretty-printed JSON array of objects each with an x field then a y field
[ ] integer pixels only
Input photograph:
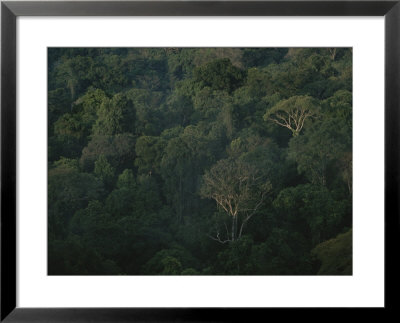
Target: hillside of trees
[{"x": 199, "y": 161}]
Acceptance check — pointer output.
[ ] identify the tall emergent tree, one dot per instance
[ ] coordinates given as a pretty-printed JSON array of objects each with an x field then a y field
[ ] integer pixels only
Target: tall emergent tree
[
  {"x": 239, "y": 189},
  {"x": 293, "y": 112}
]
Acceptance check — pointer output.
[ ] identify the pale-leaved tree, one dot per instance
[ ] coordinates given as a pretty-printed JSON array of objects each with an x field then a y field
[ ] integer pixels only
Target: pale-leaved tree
[
  {"x": 293, "y": 112},
  {"x": 239, "y": 189}
]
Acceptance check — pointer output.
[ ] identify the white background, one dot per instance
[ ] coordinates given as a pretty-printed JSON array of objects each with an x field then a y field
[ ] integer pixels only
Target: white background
[{"x": 364, "y": 288}]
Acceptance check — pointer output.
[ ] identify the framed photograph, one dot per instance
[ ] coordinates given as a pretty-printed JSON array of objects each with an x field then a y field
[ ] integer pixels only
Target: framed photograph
[{"x": 195, "y": 160}]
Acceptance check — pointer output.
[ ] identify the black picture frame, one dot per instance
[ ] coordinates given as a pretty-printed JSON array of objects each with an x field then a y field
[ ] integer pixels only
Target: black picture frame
[{"x": 10, "y": 10}]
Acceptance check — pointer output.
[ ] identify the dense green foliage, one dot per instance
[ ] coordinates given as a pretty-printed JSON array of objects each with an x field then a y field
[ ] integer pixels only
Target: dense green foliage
[
  {"x": 181, "y": 161},
  {"x": 335, "y": 255}
]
